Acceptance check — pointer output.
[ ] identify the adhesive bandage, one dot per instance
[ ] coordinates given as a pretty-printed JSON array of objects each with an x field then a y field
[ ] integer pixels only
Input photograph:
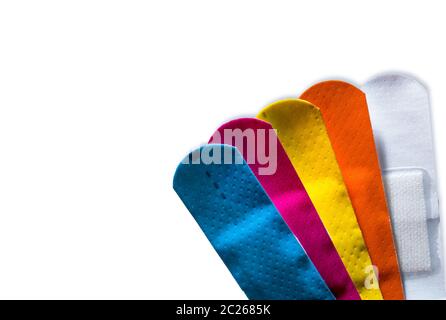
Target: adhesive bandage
[
  {"x": 400, "y": 115},
  {"x": 345, "y": 113},
  {"x": 302, "y": 132},
  {"x": 254, "y": 138},
  {"x": 244, "y": 227}
]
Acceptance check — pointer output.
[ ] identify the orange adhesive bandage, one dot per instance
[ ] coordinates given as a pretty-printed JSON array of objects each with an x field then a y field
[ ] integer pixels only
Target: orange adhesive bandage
[{"x": 345, "y": 113}]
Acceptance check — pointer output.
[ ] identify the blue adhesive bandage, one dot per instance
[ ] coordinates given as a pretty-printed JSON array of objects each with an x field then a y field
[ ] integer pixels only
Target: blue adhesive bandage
[{"x": 245, "y": 228}]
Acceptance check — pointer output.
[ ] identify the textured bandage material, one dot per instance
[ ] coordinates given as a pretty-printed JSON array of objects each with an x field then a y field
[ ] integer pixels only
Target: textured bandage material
[
  {"x": 406, "y": 199},
  {"x": 302, "y": 132},
  {"x": 245, "y": 228},
  {"x": 346, "y": 116},
  {"x": 287, "y": 193},
  {"x": 400, "y": 115}
]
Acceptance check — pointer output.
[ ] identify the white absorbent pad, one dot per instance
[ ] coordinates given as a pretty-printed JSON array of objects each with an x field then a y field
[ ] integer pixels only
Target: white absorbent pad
[
  {"x": 400, "y": 115},
  {"x": 405, "y": 190}
]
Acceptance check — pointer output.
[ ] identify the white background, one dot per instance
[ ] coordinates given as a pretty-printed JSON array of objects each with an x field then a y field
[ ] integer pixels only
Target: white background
[{"x": 99, "y": 101}]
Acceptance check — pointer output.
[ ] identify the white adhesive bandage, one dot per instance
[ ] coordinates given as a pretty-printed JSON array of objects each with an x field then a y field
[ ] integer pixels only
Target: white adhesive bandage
[{"x": 400, "y": 115}]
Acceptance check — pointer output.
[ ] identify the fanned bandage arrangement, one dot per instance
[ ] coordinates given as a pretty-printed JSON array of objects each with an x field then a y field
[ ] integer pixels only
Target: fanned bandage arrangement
[{"x": 329, "y": 196}]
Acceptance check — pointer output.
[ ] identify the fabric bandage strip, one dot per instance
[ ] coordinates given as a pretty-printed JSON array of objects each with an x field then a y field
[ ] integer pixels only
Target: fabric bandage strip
[
  {"x": 345, "y": 113},
  {"x": 255, "y": 139},
  {"x": 302, "y": 132},
  {"x": 400, "y": 115},
  {"x": 244, "y": 227}
]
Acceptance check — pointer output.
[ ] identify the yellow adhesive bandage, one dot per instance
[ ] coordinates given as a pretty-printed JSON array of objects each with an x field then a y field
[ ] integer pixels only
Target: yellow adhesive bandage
[{"x": 302, "y": 132}]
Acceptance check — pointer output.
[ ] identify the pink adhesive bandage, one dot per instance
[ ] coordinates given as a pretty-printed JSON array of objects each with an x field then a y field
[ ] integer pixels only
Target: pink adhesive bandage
[{"x": 288, "y": 194}]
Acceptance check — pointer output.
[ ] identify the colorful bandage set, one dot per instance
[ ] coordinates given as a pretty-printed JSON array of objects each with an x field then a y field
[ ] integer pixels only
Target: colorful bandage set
[{"x": 331, "y": 195}]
